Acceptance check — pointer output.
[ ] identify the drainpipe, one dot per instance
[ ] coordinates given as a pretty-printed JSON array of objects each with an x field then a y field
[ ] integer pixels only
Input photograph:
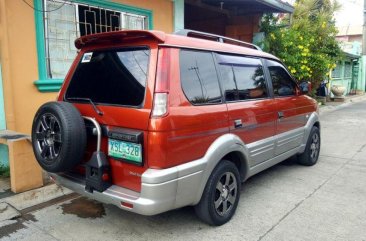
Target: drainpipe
[
  {"x": 363, "y": 66},
  {"x": 178, "y": 14}
]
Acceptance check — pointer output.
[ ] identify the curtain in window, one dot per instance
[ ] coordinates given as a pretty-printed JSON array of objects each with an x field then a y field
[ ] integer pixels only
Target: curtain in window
[
  {"x": 133, "y": 22},
  {"x": 61, "y": 31}
]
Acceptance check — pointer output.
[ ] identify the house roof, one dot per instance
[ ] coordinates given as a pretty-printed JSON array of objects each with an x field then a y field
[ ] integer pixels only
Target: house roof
[
  {"x": 253, "y": 6},
  {"x": 350, "y": 55},
  {"x": 349, "y": 30}
]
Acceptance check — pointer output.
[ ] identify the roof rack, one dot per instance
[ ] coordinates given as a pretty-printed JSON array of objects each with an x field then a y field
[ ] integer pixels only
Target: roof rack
[{"x": 214, "y": 37}]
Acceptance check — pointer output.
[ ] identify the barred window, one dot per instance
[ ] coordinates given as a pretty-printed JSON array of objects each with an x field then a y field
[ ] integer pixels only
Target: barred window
[{"x": 65, "y": 21}]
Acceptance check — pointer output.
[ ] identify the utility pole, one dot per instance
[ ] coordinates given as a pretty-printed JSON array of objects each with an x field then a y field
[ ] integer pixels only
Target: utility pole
[
  {"x": 364, "y": 29},
  {"x": 363, "y": 58}
]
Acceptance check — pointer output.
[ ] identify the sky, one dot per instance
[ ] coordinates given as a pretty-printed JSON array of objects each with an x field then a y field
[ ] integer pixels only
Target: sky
[{"x": 351, "y": 13}]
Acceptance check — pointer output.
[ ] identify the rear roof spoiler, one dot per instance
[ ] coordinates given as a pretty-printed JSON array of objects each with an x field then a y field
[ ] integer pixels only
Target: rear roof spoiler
[{"x": 118, "y": 36}]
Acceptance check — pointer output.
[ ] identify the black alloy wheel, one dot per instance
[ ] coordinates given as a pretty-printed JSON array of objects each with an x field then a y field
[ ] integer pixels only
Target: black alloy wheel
[
  {"x": 48, "y": 137},
  {"x": 225, "y": 193},
  {"x": 311, "y": 154},
  {"x": 221, "y": 195}
]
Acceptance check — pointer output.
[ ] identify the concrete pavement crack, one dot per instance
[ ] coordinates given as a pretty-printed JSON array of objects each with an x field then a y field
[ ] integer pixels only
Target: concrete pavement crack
[
  {"x": 307, "y": 197},
  {"x": 338, "y": 157},
  {"x": 43, "y": 230},
  {"x": 361, "y": 148}
]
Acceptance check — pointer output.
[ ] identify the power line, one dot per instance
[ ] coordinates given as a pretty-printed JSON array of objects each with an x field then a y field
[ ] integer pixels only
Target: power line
[{"x": 44, "y": 11}]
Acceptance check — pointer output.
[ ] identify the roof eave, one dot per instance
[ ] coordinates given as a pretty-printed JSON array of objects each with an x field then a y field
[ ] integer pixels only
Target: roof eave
[{"x": 282, "y": 7}]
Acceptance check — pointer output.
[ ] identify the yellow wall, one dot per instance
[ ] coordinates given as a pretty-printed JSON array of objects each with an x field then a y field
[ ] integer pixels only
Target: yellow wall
[{"x": 18, "y": 56}]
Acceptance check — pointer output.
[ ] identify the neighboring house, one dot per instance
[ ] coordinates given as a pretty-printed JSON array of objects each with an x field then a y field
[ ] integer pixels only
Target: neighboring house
[
  {"x": 349, "y": 72},
  {"x": 37, "y": 39},
  {"x": 237, "y": 19},
  {"x": 350, "y": 33}
]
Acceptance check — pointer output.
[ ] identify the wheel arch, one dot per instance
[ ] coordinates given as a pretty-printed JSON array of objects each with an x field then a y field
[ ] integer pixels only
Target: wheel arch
[
  {"x": 227, "y": 147},
  {"x": 240, "y": 162},
  {"x": 313, "y": 120}
]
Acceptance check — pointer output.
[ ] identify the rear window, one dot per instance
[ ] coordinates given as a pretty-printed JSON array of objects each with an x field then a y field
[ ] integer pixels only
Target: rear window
[{"x": 112, "y": 77}]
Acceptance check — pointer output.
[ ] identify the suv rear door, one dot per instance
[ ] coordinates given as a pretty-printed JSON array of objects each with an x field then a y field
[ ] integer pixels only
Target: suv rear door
[
  {"x": 251, "y": 110},
  {"x": 119, "y": 80},
  {"x": 290, "y": 120}
]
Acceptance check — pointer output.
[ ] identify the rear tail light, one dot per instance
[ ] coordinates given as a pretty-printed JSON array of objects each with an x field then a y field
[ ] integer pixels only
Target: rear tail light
[{"x": 160, "y": 105}]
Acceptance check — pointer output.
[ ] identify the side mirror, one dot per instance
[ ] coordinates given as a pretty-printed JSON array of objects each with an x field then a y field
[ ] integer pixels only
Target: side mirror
[{"x": 305, "y": 87}]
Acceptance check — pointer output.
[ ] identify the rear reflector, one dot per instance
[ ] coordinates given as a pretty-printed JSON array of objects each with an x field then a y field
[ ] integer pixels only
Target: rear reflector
[
  {"x": 160, "y": 104},
  {"x": 127, "y": 205}
]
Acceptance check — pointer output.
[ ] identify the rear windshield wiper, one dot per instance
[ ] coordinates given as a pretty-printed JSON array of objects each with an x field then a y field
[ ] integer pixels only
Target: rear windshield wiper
[{"x": 99, "y": 112}]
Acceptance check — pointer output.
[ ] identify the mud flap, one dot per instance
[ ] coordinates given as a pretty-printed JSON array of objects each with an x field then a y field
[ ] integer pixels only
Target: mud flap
[{"x": 97, "y": 173}]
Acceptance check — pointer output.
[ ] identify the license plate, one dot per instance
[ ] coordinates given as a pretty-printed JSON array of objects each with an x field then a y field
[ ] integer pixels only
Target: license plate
[{"x": 125, "y": 150}]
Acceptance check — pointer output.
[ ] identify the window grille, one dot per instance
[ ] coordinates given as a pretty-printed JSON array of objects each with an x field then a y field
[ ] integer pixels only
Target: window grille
[{"x": 73, "y": 20}]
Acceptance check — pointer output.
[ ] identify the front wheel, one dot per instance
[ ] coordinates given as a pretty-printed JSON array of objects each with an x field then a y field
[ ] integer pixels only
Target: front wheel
[
  {"x": 311, "y": 154},
  {"x": 221, "y": 195}
]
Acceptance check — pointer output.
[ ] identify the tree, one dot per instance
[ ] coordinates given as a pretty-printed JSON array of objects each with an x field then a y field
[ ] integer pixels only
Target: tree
[{"x": 305, "y": 42}]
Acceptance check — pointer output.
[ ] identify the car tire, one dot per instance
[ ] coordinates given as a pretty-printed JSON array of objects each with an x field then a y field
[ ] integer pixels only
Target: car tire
[
  {"x": 221, "y": 195},
  {"x": 58, "y": 136},
  {"x": 311, "y": 154}
]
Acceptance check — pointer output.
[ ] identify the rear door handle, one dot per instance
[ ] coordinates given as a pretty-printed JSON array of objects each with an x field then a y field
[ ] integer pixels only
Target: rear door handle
[
  {"x": 280, "y": 115},
  {"x": 238, "y": 123}
]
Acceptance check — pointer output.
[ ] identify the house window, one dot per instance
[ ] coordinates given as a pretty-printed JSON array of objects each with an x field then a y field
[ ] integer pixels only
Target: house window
[
  {"x": 336, "y": 72},
  {"x": 347, "y": 70},
  {"x": 61, "y": 22}
]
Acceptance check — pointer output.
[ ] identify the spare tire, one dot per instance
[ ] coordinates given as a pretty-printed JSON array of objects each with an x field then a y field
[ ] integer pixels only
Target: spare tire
[{"x": 58, "y": 136}]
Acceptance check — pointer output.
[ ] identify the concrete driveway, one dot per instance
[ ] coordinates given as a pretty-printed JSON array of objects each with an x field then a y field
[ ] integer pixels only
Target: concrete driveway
[{"x": 286, "y": 202}]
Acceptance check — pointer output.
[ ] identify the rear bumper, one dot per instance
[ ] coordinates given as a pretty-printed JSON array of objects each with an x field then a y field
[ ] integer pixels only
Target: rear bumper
[{"x": 161, "y": 190}]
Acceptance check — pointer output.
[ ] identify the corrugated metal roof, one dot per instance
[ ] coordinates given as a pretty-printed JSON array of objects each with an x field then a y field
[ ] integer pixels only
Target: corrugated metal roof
[{"x": 275, "y": 6}]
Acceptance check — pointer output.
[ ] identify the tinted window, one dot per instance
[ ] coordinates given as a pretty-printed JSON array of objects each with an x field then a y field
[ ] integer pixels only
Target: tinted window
[
  {"x": 283, "y": 84},
  {"x": 228, "y": 82},
  {"x": 242, "y": 78},
  {"x": 111, "y": 77},
  {"x": 199, "y": 78}
]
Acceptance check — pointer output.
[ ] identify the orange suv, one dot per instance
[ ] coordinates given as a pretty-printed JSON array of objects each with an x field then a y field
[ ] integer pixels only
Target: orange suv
[{"x": 152, "y": 122}]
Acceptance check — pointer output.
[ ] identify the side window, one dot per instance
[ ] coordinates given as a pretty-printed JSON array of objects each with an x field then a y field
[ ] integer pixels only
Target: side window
[
  {"x": 283, "y": 84},
  {"x": 199, "y": 77},
  {"x": 242, "y": 78},
  {"x": 228, "y": 82}
]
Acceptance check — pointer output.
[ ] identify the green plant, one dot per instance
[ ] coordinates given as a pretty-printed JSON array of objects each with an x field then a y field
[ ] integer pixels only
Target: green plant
[
  {"x": 4, "y": 171},
  {"x": 305, "y": 42}
]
